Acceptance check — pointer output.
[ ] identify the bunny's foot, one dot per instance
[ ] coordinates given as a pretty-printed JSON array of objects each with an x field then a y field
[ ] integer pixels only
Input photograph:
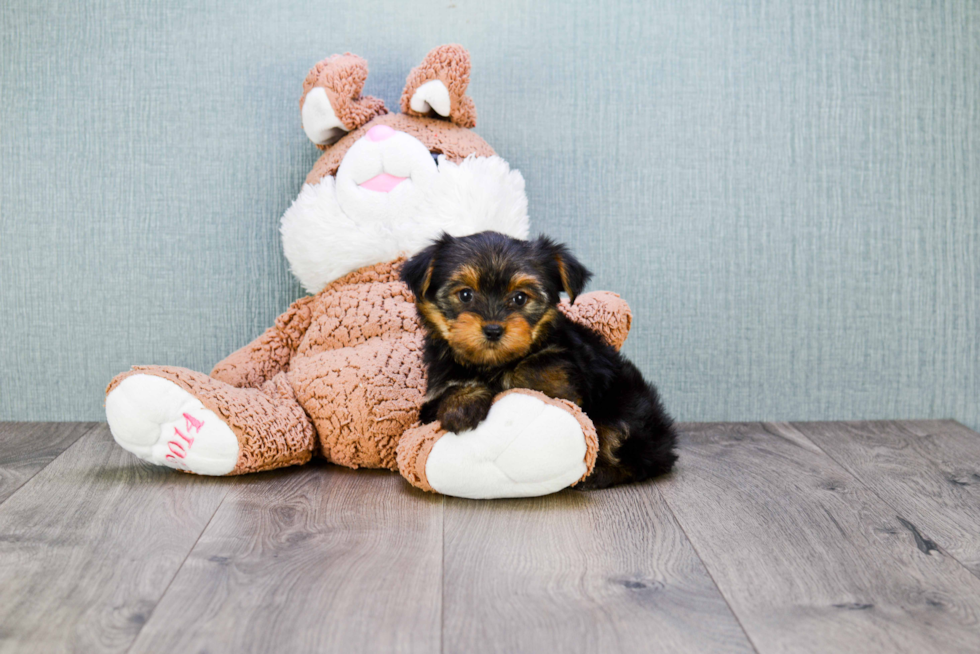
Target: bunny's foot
[
  {"x": 160, "y": 422},
  {"x": 192, "y": 422},
  {"x": 529, "y": 445}
]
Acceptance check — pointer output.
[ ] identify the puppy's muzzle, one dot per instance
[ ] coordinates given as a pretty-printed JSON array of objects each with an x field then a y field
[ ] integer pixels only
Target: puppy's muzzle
[{"x": 493, "y": 332}]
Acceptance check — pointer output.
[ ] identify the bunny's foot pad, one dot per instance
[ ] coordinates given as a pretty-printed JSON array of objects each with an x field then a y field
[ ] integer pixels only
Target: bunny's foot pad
[{"x": 160, "y": 422}]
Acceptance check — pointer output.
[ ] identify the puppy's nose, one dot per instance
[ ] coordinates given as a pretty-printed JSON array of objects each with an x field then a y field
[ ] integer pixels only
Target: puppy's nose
[{"x": 493, "y": 332}]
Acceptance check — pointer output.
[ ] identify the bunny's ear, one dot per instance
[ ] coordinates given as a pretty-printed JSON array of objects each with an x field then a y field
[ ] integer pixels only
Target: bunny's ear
[
  {"x": 332, "y": 104},
  {"x": 437, "y": 87}
]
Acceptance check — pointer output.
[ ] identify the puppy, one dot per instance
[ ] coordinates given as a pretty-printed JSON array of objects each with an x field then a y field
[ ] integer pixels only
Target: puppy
[{"x": 489, "y": 304}]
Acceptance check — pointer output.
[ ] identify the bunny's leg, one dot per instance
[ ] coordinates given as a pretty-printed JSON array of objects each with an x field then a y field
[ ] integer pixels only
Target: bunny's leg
[
  {"x": 529, "y": 445},
  {"x": 188, "y": 421}
]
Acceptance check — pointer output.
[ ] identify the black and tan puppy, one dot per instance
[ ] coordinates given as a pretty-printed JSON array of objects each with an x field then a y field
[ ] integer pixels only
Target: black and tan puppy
[{"x": 490, "y": 307}]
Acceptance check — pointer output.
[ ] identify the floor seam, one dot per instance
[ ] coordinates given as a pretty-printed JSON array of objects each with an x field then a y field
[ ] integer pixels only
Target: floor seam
[
  {"x": 442, "y": 584},
  {"x": 707, "y": 571},
  {"x": 179, "y": 568},
  {"x": 88, "y": 431}
]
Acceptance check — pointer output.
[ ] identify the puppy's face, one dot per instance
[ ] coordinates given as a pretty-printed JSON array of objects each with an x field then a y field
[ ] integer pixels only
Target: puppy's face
[{"x": 489, "y": 296}]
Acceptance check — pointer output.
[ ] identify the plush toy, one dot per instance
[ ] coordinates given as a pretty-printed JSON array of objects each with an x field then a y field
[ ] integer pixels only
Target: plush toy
[{"x": 340, "y": 374}]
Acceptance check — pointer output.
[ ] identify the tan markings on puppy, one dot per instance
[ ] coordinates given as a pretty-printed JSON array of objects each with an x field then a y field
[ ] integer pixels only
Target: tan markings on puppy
[
  {"x": 431, "y": 313},
  {"x": 551, "y": 380},
  {"x": 610, "y": 438},
  {"x": 516, "y": 340},
  {"x": 466, "y": 336},
  {"x": 427, "y": 280},
  {"x": 436, "y": 391},
  {"x": 522, "y": 281},
  {"x": 468, "y": 342},
  {"x": 466, "y": 275},
  {"x": 464, "y": 407},
  {"x": 563, "y": 271},
  {"x": 466, "y": 394},
  {"x": 543, "y": 322}
]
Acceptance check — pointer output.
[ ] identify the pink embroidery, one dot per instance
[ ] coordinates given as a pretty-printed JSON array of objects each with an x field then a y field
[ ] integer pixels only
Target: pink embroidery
[
  {"x": 190, "y": 440},
  {"x": 177, "y": 462},
  {"x": 190, "y": 422}
]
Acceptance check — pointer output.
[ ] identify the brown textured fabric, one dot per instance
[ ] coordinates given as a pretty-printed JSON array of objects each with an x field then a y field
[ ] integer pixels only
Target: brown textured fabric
[
  {"x": 449, "y": 64},
  {"x": 363, "y": 398},
  {"x": 440, "y": 136},
  {"x": 413, "y": 452},
  {"x": 341, "y": 374},
  {"x": 342, "y": 77},
  {"x": 269, "y": 354},
  {"x": 605, "y": 312}
]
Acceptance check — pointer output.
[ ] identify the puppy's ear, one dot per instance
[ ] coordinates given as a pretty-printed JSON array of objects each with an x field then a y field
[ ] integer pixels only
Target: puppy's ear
[
  {"x": 568, "y": 272},
  {"x": 417, "y": 271}
]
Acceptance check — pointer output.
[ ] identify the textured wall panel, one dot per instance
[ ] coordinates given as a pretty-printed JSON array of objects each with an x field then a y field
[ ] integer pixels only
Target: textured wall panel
[{"x": 787, "y": 193}]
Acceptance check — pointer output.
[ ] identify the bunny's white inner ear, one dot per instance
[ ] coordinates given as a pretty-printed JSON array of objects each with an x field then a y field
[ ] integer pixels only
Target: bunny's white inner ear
[
  {"x": 320, "y": 121},
  {"x": 433, "y": 94}
]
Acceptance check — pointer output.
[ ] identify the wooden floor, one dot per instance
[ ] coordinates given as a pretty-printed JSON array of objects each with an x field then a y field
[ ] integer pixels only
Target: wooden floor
[{"x": 813, "y": 537}]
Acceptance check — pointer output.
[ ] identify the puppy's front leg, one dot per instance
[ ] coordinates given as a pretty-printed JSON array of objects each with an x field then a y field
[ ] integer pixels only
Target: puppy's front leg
[
  {"x": 539, "y": 374},
  {"x": 463, "y": 407}
]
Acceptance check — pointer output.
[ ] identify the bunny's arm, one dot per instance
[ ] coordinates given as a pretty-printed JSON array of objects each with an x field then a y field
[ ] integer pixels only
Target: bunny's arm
[
  {"x": 603, "y": 312},
  {"x": 270, "y": 353}
]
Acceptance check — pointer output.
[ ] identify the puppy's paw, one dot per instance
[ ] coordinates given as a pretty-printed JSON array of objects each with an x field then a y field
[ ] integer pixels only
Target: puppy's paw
[
  {"x": 429, "y": 412},
  {"x": 592, "y": 483},
  {"x": 605, "y": 475},
  {"x": 459, "y": 416}
]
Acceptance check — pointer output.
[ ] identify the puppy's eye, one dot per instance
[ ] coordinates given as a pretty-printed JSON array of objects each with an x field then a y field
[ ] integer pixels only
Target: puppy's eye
[
  {"x": 465, "y": 295},
  {"x": 520, "y": 298}
]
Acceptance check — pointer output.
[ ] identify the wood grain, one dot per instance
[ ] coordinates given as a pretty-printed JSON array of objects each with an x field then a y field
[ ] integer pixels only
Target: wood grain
[
  {"x": 760, "y": 539},
  {"x": 312, "y": 559},
  {"x": 26, "y": 447},
  {"x": 606, "y": 571},
  {"x": 929, "y": 471},
  {"x": 809, "y": 559},
  {"x": 89, "y": 545}
]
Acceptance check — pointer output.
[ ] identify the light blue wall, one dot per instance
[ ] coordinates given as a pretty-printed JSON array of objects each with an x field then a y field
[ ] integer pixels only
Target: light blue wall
[{"x": 788, "y": 193}]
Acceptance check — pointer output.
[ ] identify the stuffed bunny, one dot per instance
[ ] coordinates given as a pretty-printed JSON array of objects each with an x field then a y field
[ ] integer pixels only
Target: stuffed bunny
[{"x": 340, "y": 374}]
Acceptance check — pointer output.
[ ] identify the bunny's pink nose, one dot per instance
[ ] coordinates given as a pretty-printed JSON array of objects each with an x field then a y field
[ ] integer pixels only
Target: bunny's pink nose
[{"x": 380, "y": 133}]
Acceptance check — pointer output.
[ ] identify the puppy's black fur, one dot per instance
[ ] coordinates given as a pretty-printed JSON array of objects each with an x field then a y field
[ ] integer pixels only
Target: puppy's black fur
[{"x": 490, "y": 307}]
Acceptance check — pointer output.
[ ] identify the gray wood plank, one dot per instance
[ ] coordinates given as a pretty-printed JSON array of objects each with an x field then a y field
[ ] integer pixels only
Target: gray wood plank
[
  {"x": 90, "y": 543},
  {"x": 810, "y": 559},
  {"x": 929, "y": 471},
  {"x": 606, "y": 571},
  {"x": 26, "y": 447},
  {"x": 312, "y": 559}
]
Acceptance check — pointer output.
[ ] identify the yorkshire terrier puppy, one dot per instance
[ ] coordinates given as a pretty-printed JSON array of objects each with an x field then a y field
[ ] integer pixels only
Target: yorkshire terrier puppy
[{"x": 489, "y": 304}]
